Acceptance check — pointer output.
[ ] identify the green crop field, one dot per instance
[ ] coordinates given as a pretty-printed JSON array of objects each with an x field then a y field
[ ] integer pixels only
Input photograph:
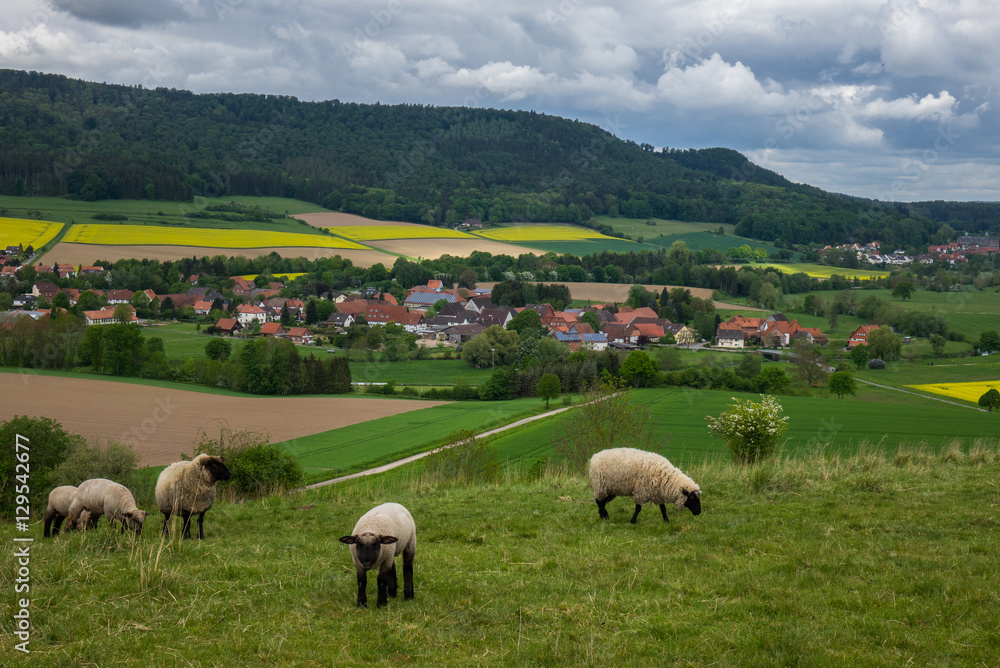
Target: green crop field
[
  {"x": 151, "y": 212},
  {"x": 419, "y": 372},
  {"x": 361, "y": 446},
  {"x": 640, "y": 227},
  {"x": 703, "y": 240}
]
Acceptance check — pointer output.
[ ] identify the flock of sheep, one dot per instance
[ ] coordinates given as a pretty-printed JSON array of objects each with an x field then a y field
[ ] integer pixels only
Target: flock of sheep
[{"x": 381, "y": 534}]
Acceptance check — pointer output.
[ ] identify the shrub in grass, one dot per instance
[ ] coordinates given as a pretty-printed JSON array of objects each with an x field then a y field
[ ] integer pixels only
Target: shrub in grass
[
  {"x": 258, "y": 468},
  {"x": 750, "y": 429},
  {"x": 876, "y": 363}
]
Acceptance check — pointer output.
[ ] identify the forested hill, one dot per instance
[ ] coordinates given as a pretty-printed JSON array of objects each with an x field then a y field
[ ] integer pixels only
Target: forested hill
[{"x": 438, "y": 165}]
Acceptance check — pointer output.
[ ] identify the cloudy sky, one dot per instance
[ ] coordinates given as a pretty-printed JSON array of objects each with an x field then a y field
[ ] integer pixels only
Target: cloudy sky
[{"x": 888, "y": 99}]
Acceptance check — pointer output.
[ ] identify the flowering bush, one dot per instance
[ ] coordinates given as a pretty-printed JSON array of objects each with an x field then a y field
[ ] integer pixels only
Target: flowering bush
[
  {"x": 750, "y": 429},
  {"x": 876, "y": 363}
]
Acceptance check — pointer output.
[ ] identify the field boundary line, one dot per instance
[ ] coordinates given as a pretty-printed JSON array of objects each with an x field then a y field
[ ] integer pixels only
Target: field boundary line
[
  {"x": 925, "y": 396},
  {"x": 413, "y": 458}
]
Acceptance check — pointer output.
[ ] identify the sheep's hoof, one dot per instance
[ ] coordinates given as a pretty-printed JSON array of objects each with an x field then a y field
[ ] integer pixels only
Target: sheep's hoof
[{"x": 407, "y": 597}]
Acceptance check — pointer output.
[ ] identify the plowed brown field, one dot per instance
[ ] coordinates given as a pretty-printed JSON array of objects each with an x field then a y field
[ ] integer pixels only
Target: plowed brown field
[{"x": 161, "y": 423}]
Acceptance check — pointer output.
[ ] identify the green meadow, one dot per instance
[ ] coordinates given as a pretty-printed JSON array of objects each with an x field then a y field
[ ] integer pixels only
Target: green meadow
[{"x": 826, "y": 560}]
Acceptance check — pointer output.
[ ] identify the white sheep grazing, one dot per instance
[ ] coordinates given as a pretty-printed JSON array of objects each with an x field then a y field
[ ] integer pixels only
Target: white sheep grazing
[
  {"x": 644, "y": 476},
  {"x": 105, "y": 497},
  {"x": 188, "y": 488},
  {"x": 379, "y": 536},
  {"x": 57, "y": 510}
]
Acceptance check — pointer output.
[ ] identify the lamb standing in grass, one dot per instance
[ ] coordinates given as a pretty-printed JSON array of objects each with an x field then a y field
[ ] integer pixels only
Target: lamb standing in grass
[
  {"x": 379, "y": 536},
  {"x": 644, "y": 476},
  {"x": 188, "y": 488},
  {"x": 57, "y": 510},
  {"x": 105, "y": 497}
]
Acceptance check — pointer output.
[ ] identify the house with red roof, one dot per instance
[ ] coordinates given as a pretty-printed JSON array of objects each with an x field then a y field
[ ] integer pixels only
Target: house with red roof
[
  {"x": 248, "y": 314},
  {"x": 272, "y": 329},
  {"x": 229, "y": 326},
  {"x": 299, "y": 335},
  {"x": 860, "y": 335}
]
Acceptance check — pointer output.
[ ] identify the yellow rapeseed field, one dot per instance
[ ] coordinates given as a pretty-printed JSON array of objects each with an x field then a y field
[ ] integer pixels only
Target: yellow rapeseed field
[
  {"x": 34, "y": 233},
  {"x": 964, "y": 391},
  {"x": 381, "y": 232},
  {"x": 523, "y": 233},
  {"x": 823, "y": 271},
  {"x": 290, "y": 277},
  {"x": 150, "y": 235}
]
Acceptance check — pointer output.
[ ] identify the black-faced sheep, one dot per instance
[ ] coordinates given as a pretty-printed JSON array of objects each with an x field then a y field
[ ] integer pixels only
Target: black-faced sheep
[
  {"x": 379, "y": 536},
  {"x": 57, "y": 510},
  {"x": 188, "y": 488},
  {"x": 644, "y": 476},
  {"x": 105, "y": 497}
]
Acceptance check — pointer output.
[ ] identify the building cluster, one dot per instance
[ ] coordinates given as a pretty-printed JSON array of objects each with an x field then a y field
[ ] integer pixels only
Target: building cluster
[
  {"x": 774, "y": 330},
  {"x": 960, "y": 249}
]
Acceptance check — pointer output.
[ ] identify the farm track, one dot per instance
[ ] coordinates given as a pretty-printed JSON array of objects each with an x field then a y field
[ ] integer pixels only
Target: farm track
[
  {"x": 406, "y": 460},
  {"x": 918, "y": 394}
]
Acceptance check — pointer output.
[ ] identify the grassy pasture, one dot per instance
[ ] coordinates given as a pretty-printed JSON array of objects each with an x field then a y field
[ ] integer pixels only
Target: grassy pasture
[
  {"x": 588, "y": 246},
  {"x": 872, "y": 560},
  {"x": 703, "y": 240},
  {"x": 419, "y": 372},
  {"x": 34, "y": 233},
  {"x": 636, "y": 227}
]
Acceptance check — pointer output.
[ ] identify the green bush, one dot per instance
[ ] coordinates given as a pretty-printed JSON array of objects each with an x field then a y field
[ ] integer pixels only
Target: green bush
[
  {"x": 750, "y": 429},
  {"x": 258, "y": 468},
  {"x": 47, "y": 446},
  {"x": 117, "y": 461}
]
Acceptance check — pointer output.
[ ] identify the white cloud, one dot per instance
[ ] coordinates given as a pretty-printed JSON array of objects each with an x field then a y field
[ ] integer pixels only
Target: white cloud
[
  {"x": 716, "y": 85},
  {"x": 511, "y": 82}
]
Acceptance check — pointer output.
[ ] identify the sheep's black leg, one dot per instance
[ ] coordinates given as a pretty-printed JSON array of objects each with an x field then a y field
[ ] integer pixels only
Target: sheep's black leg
[
  {"x": 600, "y": 506},
  {"x": 166, "y": 524},
  {"x": 408, "y": 574},
  {"x": 362, "y": 589},
  {"x": 663, "y": 511},
  {"x": 383, "y": 587},
  {"x": 187, "y": 523},
  {"x": 637, "y": 509},
  {"x": 201, "y": 528},
  {"x": 393, "y": 583},
  {"x": 56, "y": 525}
]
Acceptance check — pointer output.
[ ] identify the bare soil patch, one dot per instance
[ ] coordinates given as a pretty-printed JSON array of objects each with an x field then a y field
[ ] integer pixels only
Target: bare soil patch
[
  {"x": 76, "y": 254},
  {"x": 161, "y": 423},
  {"x": 431, "y": 249}
]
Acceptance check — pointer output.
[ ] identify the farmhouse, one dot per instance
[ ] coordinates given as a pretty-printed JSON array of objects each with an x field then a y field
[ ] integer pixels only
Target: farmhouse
[
  {"x": 299, "y": 335},
  {"x": 119, "y": 296},
  {"x": 229, "y": 326},
  {"x": 272, "y": 329},
  {"x": 105, "y": 316},
  {"x": 860, "y": 335},
  {"x": 730, "y": 337},
  {"x": 250, "y": 313},
  {"x": 460, "y": 333},
  {"x": 45, "y": 289}
]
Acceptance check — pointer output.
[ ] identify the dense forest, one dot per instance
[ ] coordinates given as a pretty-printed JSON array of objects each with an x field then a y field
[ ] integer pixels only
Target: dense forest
[{"x": 436, "y": 165}]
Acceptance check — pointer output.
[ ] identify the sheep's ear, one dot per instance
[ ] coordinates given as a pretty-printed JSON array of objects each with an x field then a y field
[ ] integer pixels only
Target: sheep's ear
[
  {"x": 389, "y": 540},
  {"x": 685, "y": 492},
  {"x": 350, "y": 540}
]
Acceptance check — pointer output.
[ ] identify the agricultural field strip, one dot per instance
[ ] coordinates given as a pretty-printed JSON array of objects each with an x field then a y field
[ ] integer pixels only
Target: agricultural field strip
[
  {"x": 128, "y": 235},
  {"x": 413, "y": 458},
  {"x": 822, "y": 271},
  {"x": 541, "y": 233},
  {"x": 924, "y": 396},
  {"x": 965, "y": 391},
  {"x": 383, "y": 232},
  {"x": 35, "y": 233}
]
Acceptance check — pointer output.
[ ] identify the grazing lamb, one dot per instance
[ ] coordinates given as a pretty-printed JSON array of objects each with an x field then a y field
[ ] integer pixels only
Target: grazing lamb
[
  {"x": 377, "y": 530},
  {"x": 105, "y": 497},
  {"x": 58, "y": 509},
  {"x": 188, "y": 488},
  {"x": 644, "y": 476}
]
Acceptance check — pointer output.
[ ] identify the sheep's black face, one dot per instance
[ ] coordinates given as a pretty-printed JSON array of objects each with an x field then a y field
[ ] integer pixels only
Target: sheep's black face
[
  {"x": 217, "y": 469},
  {"x": 693, "y": 502},
  {"x": 368, "y": 547}
]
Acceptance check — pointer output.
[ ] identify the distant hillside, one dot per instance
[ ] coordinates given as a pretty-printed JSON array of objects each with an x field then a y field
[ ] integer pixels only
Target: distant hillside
[{"x": 436, "y": 165}]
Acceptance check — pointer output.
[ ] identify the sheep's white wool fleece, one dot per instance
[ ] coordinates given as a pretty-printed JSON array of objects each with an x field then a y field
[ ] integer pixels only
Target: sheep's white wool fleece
[
  {"x": 186, "y": 486},
  {"x": 103, "y": 497},
  {"x": 60, "y": 499},
  {"x": 645, "y": 476},
  {"x": 389, "y": 519}
]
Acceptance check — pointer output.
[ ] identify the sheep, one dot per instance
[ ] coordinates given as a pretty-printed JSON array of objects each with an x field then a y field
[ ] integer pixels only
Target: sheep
[
  {"x": 60, "y": 499},
  {"x": 188, "y": 488},
  {"x": 644, "y": 476},
  {"x": 101, "y": 496},
  {"x": 381, "y": 526}
]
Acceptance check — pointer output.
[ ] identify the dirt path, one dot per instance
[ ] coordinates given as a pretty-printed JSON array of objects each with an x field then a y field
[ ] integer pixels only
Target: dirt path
[
  {"x": 413, "y": 458},
  {"x": 923, "y": 396}
]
